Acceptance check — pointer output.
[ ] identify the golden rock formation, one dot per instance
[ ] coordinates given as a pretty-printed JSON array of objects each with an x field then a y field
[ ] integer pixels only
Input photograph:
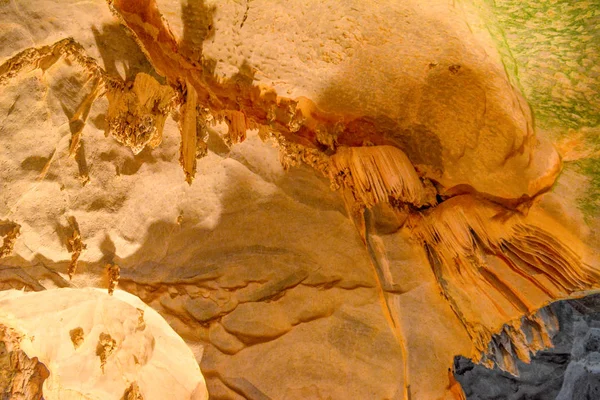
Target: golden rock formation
[
  {"x": 136, "y": 115},
  {"x": 113, "y": 272},
  {"x": 105, "y": 348},
  {"x": 133, "y": 393},
  {"x": 77, "y": 336},
  {"x": 76, "y": 247},
  {"x": 8, "y": 243},
  {"x": 452, "y": 221},
  {"x": 21, "y": 377}
]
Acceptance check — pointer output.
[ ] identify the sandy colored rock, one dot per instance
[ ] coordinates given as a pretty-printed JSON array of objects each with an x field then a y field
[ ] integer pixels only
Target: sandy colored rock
[{"x": 197, "y": 146}]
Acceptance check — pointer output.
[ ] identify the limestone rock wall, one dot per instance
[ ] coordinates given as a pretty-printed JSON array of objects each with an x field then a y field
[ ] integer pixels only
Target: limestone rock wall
[{"x": 323, "y": 199}]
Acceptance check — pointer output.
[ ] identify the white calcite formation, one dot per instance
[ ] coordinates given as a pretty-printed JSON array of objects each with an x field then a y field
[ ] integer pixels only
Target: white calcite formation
[{"x": 96, "y": 346}]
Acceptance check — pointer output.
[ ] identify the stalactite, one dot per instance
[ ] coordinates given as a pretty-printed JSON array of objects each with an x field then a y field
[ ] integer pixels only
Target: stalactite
[
  {"x": 236, "y": 121},
  {"x": 188, "y": 127},
  {"x": 137, "y": 113},
  {"x": 378, "y": 174},
  {"x": 513, "y": 267},
  {"x": 114, "y": 274},
  {"x": 76, "y": 247}
]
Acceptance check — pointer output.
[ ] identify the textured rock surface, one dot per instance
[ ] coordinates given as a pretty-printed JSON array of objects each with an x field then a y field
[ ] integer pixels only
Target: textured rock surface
[
  {"x": 454, "y": 219},
  {"x": 567, "y": 371},
  {"x": 21, "y": 377}
]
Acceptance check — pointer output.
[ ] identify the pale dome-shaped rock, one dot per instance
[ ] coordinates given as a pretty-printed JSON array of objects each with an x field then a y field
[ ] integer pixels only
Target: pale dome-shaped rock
[
  {"x": 97, "y": 346},
  {"x": 322, "y": 198}
]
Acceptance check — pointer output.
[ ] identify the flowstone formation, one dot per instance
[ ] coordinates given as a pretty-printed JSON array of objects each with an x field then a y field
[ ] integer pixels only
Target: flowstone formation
[
  {"x": 89, "y": 345},
  {"x": 323, "y": 199}
]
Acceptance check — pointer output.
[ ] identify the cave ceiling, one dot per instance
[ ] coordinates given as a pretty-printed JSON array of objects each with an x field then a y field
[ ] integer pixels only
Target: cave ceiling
[{"x": 322, "y": 199}]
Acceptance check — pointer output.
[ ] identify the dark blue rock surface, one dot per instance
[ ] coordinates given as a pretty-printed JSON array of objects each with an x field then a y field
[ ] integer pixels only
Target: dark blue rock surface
[{"x": 569, "y": 371}]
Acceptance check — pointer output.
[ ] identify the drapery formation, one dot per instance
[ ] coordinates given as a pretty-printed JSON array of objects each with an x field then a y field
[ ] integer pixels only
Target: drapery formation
[{"x": 446, "y": 192}]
